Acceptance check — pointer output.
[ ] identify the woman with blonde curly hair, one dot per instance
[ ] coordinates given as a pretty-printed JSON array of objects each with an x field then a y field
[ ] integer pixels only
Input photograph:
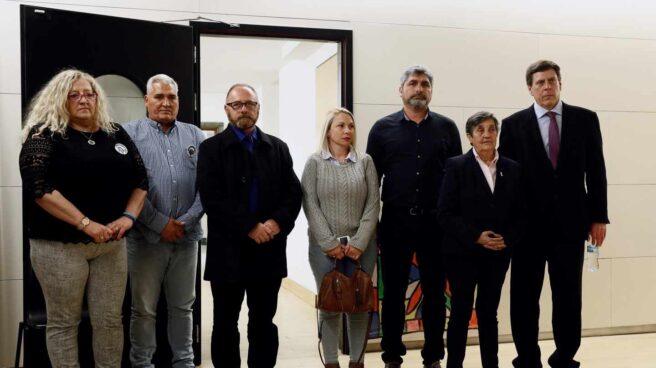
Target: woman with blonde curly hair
[{"x": 88, "y": 183}]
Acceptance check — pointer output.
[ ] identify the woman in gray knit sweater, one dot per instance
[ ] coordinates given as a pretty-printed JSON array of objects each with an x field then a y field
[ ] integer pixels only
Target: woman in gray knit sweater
[{"x": 341, "y": 199}]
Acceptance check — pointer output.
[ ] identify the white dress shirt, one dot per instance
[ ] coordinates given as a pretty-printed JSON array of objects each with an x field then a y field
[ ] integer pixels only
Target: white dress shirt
[{"x": 490, "y": 172}]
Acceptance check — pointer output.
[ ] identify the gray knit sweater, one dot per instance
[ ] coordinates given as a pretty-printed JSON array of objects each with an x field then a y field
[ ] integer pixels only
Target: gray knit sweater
[{"x": 341, "y": 200}]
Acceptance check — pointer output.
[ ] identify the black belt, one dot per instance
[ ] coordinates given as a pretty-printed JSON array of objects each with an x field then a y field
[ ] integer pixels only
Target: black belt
[{"x": 412, "y": 211}]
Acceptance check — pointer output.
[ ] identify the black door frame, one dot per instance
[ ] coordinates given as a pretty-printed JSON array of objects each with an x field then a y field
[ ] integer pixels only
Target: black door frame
[{"x": 343, "y": 37}]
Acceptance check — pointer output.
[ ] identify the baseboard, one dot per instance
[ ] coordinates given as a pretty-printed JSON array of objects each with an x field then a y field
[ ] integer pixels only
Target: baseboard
[
  {"x": 299, "y": 291},
  {"x": 415, "y": 340}
]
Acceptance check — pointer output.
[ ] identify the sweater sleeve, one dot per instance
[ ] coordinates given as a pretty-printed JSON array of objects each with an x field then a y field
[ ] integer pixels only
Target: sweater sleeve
[
  {"x": 369, "y": 219},
  {"x": 317, "y": 222}
]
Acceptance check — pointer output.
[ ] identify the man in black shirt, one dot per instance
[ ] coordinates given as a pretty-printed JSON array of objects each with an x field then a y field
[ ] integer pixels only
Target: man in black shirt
[{"x": 409, "y": 148}]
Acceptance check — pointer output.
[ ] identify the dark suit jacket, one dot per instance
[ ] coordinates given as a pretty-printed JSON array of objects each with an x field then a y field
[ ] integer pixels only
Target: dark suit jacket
[
  {"x": 467, "y": 206},
  {"x": 561, "y": 203},
  {"x": 225, "y": 173}
]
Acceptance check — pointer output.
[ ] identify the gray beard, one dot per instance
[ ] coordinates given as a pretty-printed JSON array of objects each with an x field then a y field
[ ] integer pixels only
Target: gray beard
[
  {"x": 244, "y": 123},
  {"x": 415, "y": 102}
]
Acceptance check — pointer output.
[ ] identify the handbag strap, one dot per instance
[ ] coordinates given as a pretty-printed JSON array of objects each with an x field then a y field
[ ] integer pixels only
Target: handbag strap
[
  {"x": 364, "y": 346},
  {"x": 366, "y": 337},
  {"x": 319, "y": 325}
]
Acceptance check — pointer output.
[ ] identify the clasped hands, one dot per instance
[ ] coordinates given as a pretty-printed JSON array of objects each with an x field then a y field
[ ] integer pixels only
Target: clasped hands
[
  {"x": 115, "y": 230},
  {"x": 341, "y": 251},
  {"x": 488, "y": 239},
  {"x": 264, "y": 232}
]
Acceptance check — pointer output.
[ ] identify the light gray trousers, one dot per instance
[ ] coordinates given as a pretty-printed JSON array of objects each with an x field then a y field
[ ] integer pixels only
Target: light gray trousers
[{"x": 65, "y": 271}]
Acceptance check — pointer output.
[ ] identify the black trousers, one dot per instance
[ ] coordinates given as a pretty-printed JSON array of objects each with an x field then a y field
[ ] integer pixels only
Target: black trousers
[
  {"x": 465, "y": 273},
  {"x": 262, "y": 301},
  {"x": 565, "y": 265},
  {"x": 402, "y": 234}
]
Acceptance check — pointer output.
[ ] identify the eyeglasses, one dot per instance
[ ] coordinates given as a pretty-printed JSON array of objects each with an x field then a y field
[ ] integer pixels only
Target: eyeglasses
[
  {"x": 238, "y": 105},
  {"x": 76, "y": 96}
]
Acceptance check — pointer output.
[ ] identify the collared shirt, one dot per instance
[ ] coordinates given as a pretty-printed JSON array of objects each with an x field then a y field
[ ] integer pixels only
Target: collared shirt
[
  {"x": 405, "y": 116},
  {"x": 351, "y": 157},
  {"x": 544, "y": 121},
  {"x": 170, "y": 159},
  {"x": 241, "y": 135},
  {"x": 248, "y": 141},
  {"x": 490, "y": 172},
  {"x": 410, "y": 157}
]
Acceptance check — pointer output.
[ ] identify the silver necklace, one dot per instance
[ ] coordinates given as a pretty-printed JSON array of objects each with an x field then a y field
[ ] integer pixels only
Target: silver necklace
[{"x": 89, "y": 140}]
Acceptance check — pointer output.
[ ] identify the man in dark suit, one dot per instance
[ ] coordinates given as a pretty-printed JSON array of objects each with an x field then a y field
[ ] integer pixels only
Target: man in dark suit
[
  {"x": 252, "y": 197},
  {"x": 560, "y": 149}
]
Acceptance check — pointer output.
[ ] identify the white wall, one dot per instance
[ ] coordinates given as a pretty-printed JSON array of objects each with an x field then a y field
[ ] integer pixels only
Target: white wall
[
  {"x": 297, "y": 113},
  {"x": 478, "y": 51}
]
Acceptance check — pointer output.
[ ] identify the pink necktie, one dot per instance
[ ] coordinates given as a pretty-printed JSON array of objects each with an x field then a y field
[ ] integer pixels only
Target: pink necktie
[{"x": 554, "y": 139}]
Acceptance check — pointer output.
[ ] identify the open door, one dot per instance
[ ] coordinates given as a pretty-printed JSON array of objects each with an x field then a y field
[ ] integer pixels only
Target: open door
[{"x": 102, "y": 46}]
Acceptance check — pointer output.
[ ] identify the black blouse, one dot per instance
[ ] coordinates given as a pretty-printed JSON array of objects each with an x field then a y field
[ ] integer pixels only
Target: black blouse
[{"x": 98, "y": 179}]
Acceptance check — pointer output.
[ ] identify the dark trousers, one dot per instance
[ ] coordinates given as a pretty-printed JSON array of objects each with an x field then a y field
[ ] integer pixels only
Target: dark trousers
[
  {"x": 465, "y": 273},
  {"x": 262, "y": 301},
  {"x": 402, "y": 234},
  {"x": 565, "y": 265}
]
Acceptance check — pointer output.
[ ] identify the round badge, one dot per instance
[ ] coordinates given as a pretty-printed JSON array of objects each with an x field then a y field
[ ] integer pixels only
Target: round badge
[
  {"x": 120, "y": 148},
  {"x": 191, "y": 151}
]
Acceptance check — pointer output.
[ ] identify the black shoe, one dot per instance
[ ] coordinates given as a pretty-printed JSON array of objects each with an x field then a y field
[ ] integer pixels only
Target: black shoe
[
  {"x": 518, "y": 363},
  {"x": 555, "y": 362},
  {"x": 435, "y": 364},
  {"x": 393, "y": 365}
]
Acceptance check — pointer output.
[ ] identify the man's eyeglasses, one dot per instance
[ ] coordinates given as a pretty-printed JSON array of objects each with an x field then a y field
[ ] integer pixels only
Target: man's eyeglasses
[
  {"x": 238, "y": 105},
  {"x": 76, "y": 96}
]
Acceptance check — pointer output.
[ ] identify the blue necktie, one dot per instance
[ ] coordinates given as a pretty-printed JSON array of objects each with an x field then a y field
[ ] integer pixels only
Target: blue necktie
[{"x": 252, "y": 191}]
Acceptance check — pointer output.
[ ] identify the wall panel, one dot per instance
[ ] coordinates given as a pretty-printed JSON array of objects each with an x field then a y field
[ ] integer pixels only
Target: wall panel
[
  {"x": 604, "y": 73},
  {"x": 10, "y": 55},
  {"x": 633, "y": 299}
]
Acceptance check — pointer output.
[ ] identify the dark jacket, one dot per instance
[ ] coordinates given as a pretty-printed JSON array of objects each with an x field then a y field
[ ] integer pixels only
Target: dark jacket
[
  {"x": 467, "y": 206},
  {"x": 561, "y": 203},
  {"x": 225, "y": 173}
]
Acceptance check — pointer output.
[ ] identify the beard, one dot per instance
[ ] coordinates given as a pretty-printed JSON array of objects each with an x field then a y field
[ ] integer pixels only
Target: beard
[
  {"x": 418, "y": 101},
  {"x": 244, "y": 122}
]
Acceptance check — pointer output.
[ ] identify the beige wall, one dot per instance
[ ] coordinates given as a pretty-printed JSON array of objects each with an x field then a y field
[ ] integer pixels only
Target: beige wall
[{"x": 478, "y": 52}]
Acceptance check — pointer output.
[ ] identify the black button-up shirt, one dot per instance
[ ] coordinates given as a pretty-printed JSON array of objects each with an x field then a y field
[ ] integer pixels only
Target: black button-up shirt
[{"x": 409, "y": 157}]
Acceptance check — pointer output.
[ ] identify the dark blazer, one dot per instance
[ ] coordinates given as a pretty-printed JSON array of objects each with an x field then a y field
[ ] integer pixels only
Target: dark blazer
[
  {"x": 561, "y": 203},
  {"x": 467, "y": 206},
  {"x": 225, "y": 173}
]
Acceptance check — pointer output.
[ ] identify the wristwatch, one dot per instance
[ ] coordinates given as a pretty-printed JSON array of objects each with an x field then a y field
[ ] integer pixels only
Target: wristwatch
[{"x": 83, "y": 223}]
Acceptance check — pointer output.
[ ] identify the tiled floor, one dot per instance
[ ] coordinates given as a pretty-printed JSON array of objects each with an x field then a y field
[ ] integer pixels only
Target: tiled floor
[{"x": 298, "y": 342}]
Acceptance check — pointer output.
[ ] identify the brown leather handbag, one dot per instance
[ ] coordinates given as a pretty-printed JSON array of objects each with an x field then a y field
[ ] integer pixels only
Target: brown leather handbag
[{"x": 341, "y": 293}]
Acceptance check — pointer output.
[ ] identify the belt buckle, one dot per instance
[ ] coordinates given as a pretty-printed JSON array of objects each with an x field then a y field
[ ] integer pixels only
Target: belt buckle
[{"x": 415, "y": 211}]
